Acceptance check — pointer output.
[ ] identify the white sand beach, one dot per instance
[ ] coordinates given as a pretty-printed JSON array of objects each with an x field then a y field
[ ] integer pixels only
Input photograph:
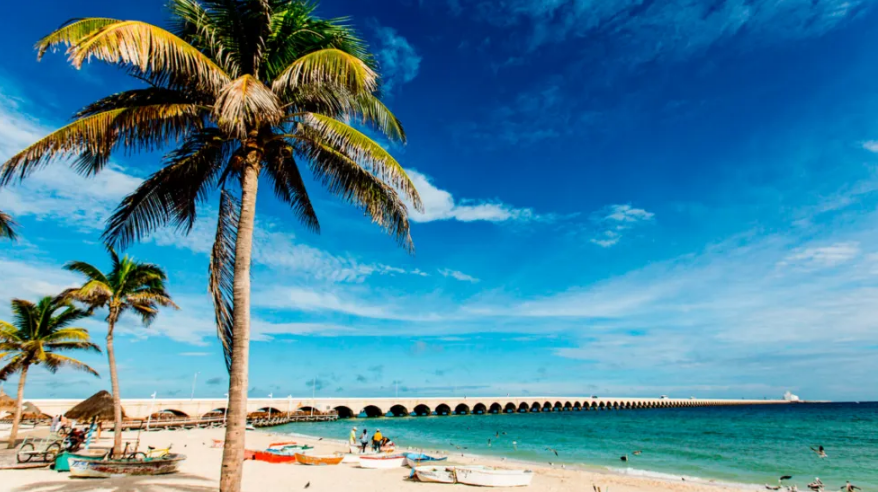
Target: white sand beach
[{"x": 200, "y": 472}]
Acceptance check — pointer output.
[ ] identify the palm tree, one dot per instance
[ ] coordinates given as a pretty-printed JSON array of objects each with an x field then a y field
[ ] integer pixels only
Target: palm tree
[
  {"x": 245, "y": 88},
  {"x": 6, "y": 226},
  {"x": 36, "y": 336},
  {"x": 129, "y": 286}
]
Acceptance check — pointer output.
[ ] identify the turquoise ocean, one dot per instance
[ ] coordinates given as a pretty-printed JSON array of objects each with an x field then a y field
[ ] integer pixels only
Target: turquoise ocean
[{"x": 740, "y": 444}]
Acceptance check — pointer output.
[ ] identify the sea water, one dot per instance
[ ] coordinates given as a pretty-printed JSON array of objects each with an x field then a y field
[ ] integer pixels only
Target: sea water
[{"x": 743, "y": 444}]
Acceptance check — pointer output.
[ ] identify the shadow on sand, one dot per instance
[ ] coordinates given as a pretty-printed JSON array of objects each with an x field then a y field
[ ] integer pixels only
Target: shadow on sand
[{"x": 162, "y": 483}]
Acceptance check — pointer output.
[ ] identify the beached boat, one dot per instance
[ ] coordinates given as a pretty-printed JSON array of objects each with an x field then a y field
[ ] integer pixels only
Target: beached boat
[
  {"x": 350, "y": 458},
  {"x": 316, "y": 460},
  {"x": 62, "y": 462},
  {"x": 417, "y": 459},
  {"x": 270, "y": 456},
  {"x": 492, "y": 477},
  {"x": 381, "y": 461},
  {"x": 434, "y": 474},
  {"x": 80, "y": 467}
]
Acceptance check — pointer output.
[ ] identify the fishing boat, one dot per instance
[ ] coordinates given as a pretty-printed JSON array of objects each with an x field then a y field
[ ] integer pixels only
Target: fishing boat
[
  {"x": 369, "y": 450},
  {"x": 417, "y": 459},
  {"x": 80, "y": 467},
  {"x": 434, "y": 474},
  {"x": 317, "y": 460},
  {"x": 62, "y": 461},
  {"x": 492, "y": 477},
  {"x": 274, "y": 457},
  {"x": 282, "y": 444},
  {"x": 381, "y": 461}
]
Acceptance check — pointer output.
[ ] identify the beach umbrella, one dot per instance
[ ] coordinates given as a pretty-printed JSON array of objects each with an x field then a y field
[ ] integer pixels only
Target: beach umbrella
[{"x": 99, "y": 405}]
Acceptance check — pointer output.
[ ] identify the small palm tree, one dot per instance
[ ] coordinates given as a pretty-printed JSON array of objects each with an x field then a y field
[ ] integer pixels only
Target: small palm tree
[
  {"x": 36, "y": 335},
  {"x": 247, "y": 91},
  {"x": 6, "y": 226},
  {"x": 129, "y": 286}
]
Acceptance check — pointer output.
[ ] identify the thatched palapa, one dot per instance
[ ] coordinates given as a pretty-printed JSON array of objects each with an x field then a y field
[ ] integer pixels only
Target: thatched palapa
[
  {"x": 99, "y": 405},
  {"x": 6, "y": 402}
]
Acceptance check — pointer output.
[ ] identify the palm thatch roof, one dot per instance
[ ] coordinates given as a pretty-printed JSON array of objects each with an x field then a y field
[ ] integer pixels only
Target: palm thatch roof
[
  {"x": 29, "y": 407},
  {"x": 99, "y": 405},
  {"x": 6, "y": 402}
]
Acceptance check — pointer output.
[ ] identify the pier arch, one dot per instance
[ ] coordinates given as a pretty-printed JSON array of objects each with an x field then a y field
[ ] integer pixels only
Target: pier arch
[
  {"x": 462, "y": 409},
  {"x": 568, "y": 406},
  {"x": 547, "y": 406},
  {"x": 274, "y": 411},
  {"x": 535, "y": 407},
  {"x": 558, "y": 406},
  {"x": 173, "y": 412},
  {"x": 495, "y": 408},
  {"x": 344, "y": 412},
  {"x": 215, "y": 413},
  {"x": 522, "y": 408},
  {"x": 399, "y": 411},
  {"x": 373, "y": 411},
  {"x": 509, "y": 408},
  {"x": 423, "y": 410},
  {"x": 443, "y": 409},
  {"x": 480, "y": 409},
  {"x": 577, "y": 406}
]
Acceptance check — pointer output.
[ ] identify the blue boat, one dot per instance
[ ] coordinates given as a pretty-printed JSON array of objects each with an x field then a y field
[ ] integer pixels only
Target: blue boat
[{"x": 416, "y": 459}]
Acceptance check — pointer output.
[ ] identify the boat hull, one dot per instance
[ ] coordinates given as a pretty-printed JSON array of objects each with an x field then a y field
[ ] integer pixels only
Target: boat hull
[
  {"x": 412, "y": 460},
  {"x": 486, "y": 477},
  {"x": 382, "y": 462},
  {"x": 270, "y": 457},
  {"x": 434, "y": 474},
  {"x": 311, "y": 460},
  {"x": 85, "y": 468},
  {"x": 356, "y": 450}
]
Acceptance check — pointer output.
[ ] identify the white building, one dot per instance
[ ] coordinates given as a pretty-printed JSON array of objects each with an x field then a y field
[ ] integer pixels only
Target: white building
[{"x": 790, "y": 397}]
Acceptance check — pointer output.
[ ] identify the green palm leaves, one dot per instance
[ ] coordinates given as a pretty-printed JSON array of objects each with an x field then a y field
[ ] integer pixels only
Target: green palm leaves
[
  {"x": 39, "y": 332},
  {"x": 7, "y": 226}
]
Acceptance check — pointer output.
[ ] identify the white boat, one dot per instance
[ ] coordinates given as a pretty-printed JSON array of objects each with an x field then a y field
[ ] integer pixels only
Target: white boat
[
  {"x": 491, "y": 477},
  {"x": 369, "y": 450},
  {"x": 435, "y": 474},
  {"x": 381, "y": 461}
]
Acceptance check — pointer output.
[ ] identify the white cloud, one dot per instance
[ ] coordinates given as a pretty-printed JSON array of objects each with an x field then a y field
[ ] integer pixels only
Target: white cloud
[
  {"x": 458, "y": 275},
  {"x": 614, "y": 220},
  {"x": 441, "y": 205},
  {"x": 194, "y": 354},
  {"x": 871, "y": 145},
  {"x": 824, "y": 256}
]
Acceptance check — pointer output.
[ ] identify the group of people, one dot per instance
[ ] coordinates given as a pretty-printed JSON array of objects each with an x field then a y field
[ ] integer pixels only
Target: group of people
[{"x": 378, "y": 440}]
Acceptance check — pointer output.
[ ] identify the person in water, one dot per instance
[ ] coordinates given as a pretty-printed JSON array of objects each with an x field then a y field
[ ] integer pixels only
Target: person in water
[
  {"x": 376, "y": 440},
  {"x": 364, "y": 440}
]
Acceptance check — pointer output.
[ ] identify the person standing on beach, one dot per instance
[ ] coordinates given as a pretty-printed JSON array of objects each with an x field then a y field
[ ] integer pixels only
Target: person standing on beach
[
  {"x": 353, "y": 439},
  {"x": 376, "y": 440},
  {"x": 364, "y": 440}
]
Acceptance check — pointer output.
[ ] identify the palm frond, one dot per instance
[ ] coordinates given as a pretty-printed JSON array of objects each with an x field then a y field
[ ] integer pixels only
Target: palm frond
[
  {"x": 138, "y": 128},
  {"x": 289, "y": 186},
  {"x": 71, "y": 32},
  {"x": 7, "y": 226},
  {"x": 55, "y": 361},
  {"x": 209, "y": 31},
  {"x": 362, "y": 150},
  {"x": 73, "y": 345},
  {"x": 222, "y": 271},
  {"x": 68, "y": 335},
  {"x": 246, "y": 103},
  {"x": 344, "y": 178},
  {"x": 13, "y": 365},
  {"x": 151, "y": 49},
  {"x": 331, "y": 67},
  {"x": 151, "y": 297},
  {"x": 371, "y": 111},
  {"x": 151, "y": 96},
  {"x": 172, "y": 194},
  {"x": 90, "y": 271}
]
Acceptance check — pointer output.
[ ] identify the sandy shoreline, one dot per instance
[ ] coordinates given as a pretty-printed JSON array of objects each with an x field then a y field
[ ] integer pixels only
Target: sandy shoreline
[{"x": 200, "y": 472}]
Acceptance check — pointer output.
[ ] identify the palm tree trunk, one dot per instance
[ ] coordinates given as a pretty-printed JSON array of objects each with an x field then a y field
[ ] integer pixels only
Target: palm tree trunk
[
  {"x": 236, "y": 421},
  {"x": 114, "y": 381},
  {"x": 16, "y": 420}
]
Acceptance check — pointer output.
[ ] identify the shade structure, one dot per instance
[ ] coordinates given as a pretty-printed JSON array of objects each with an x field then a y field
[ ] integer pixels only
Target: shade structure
[
  {"x": 99, "y": 406},
  {"x": 6, "y": 402}
]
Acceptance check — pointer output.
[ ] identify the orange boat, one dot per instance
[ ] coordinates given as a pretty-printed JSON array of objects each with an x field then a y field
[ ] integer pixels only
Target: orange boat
[
  {"x": 305, "y": 459},
  {"x": 274, "y": 457},
  {"x": 282, "y": 444}
]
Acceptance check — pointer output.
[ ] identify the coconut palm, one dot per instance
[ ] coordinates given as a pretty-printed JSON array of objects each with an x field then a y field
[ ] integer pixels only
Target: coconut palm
[
  {"x": 245, "y": 89},
  {"x": 35, "y": 337},
  {"x": 129, "y": 286},
  {"x": 6, "y": 226}
]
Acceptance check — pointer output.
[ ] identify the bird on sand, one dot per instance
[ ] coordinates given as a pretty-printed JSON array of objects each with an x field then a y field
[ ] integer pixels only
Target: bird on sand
[
  {"x": 307, "y": 485},
  {"x": 320, "y": 439}
]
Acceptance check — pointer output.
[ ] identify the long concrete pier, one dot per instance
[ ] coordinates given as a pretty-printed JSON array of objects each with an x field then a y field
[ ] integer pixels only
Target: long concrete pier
[{"x": 397, "y": 407}]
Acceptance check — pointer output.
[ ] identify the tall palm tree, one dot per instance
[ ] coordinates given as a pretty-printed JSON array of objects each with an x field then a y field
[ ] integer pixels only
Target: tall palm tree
[
  {"x": 35, "y": 337},
  {"x": 6, "y": 226},
  {"x": 129, "y": 286},
  {"x": 245, "y": 89}
]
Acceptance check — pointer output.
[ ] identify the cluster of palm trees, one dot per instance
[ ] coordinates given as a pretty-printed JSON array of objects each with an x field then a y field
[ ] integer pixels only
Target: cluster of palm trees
[
  {"x": 40, "y": 332},
  {"x": 243, "y": 90}
]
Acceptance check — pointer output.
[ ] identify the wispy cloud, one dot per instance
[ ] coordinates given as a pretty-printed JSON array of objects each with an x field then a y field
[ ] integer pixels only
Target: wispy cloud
[
  {"x": 615, "y": 220},
  {"x": 194, "y": 354},
  {"x": 823, "y": 256},
  {"x": 440, "y": 204},
  {"x": 458, "y": 275},
  {"x": 871, "y": 146},
  {"x": 398, "y": 59}
]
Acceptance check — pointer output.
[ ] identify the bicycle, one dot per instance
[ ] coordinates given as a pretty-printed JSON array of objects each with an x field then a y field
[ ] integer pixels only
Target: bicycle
[{"x": 151, "y": 452}]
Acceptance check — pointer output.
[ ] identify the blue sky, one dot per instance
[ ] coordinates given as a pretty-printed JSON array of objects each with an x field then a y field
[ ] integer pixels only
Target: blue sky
[{"x": 622, "y": 198}]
